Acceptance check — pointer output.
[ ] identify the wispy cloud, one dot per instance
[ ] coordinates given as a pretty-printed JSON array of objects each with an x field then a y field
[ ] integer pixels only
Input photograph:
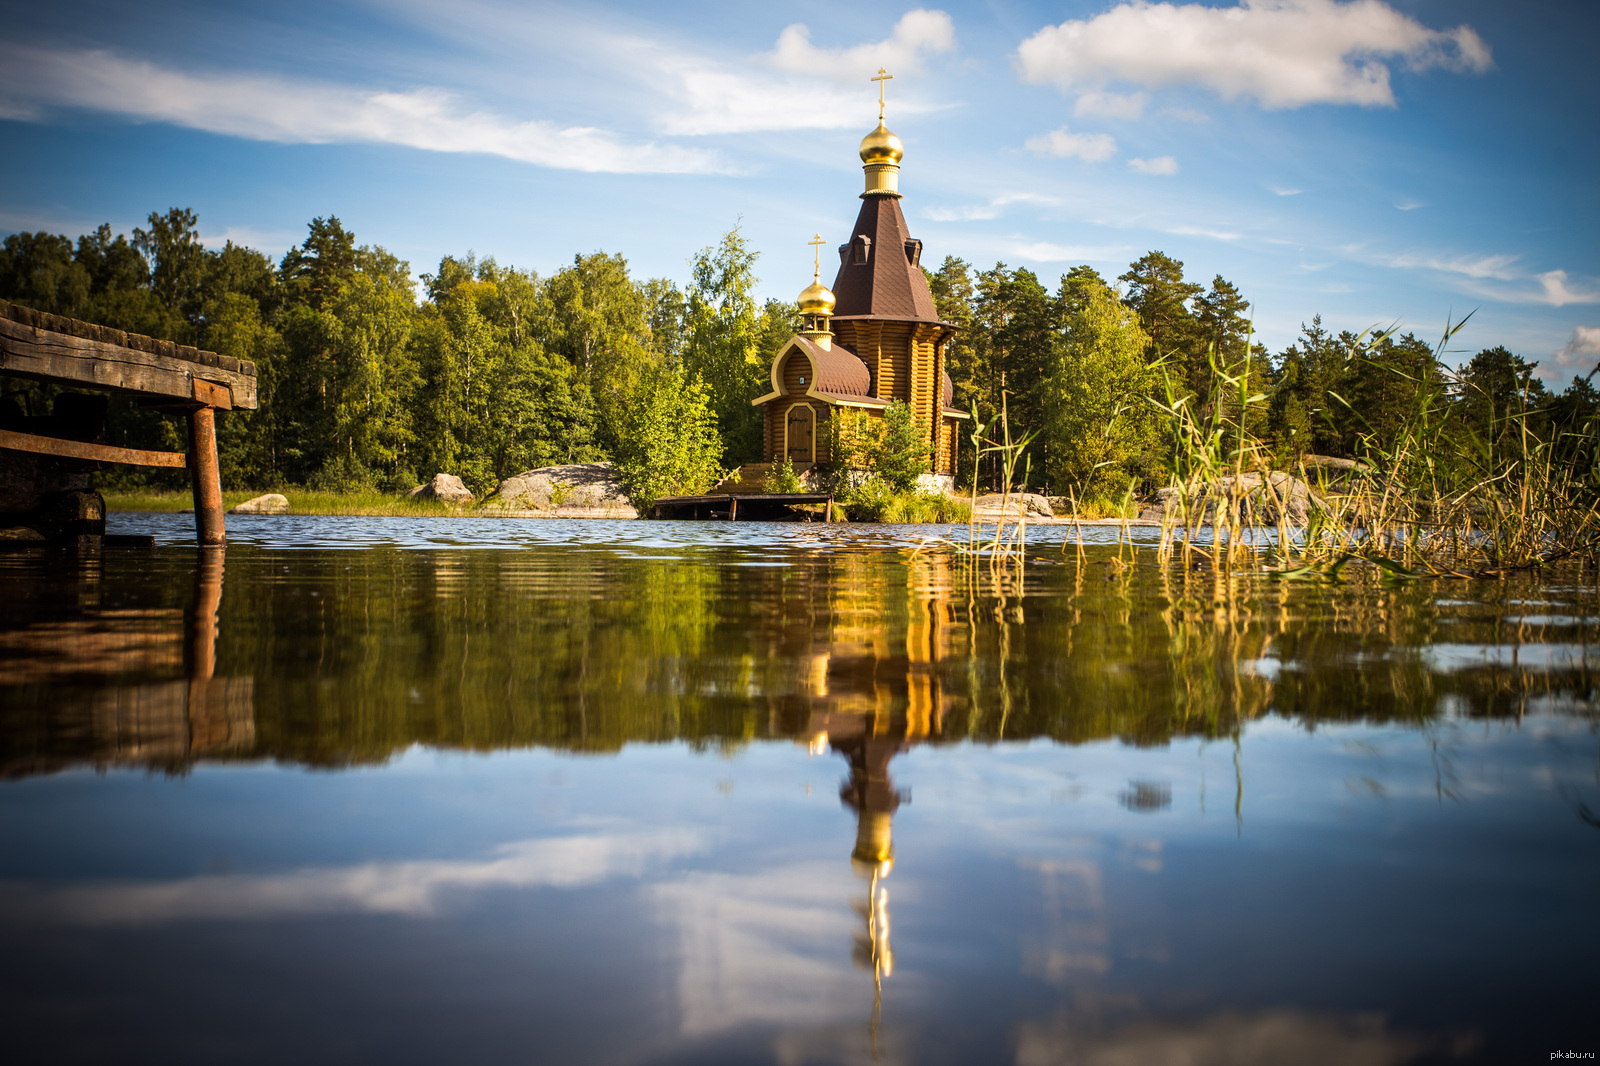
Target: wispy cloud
[
  {"x": 400, "y": 888},
  {"x": 1062, "y": 143},
  {"x": 1102, "y": 104},
  {"x": 1499, "y": 278},
  {"x": 1047, "y": 252},
  {"x": 37, "y": 82},
  {"x": 1161, "y": 165},
  {"x": 1278, "y": 190},
  {"x": 991, "y": 209},
  {"x": 1281, "y": 53},
  {"x": 1409, "y": 205},
  {"x": 1202, "y": 231},
  {"x": 1501, "y": 267}
]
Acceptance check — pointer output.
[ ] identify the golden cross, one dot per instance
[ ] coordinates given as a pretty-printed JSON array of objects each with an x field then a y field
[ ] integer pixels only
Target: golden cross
[
  {"x": 882, "y": 76},
  {"x": 816, "y": 255}
]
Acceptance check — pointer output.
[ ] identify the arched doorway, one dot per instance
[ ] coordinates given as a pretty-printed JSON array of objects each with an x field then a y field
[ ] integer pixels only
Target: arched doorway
[{"x": 800, "y": 435}]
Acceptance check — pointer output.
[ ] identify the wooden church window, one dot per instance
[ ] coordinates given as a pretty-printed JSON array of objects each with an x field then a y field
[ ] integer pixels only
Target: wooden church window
[{"x": 860, "y": 248}]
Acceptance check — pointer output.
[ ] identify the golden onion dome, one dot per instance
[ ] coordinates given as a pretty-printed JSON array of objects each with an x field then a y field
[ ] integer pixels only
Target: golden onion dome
[
  {"x": 881, "y": 146},
  {"x": 817, "y": 299}
]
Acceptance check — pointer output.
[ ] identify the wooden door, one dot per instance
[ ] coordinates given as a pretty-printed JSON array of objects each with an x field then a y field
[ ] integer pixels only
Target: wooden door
[{"x": 801, "y": 435}]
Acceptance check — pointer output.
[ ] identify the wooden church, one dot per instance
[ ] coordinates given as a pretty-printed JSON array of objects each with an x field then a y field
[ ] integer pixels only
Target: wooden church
[{"x": 874, "y": 338}]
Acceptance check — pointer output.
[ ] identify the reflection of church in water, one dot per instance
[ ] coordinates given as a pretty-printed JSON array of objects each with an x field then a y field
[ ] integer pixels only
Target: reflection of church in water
[{"x": 869, "y": 689}]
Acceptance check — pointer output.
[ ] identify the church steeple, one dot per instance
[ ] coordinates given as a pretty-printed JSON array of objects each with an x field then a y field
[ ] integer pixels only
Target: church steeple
[
  {"x": 881, "y": 152},
  {"x": 816, "y": 301}
]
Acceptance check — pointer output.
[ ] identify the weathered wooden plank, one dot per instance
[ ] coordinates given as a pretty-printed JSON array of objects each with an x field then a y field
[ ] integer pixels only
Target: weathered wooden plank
[
  {"x": 213, "y": 395},
  {"x": 59, "y": 357},
  {"x": 77, "y": 449}
]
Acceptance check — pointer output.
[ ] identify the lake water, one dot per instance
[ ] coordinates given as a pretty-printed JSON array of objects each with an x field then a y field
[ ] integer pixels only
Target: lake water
[{"x": 647, "y": 792}]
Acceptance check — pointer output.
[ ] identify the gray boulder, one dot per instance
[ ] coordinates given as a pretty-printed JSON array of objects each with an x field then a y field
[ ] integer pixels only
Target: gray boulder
[
  {"x": 577, "y": 490},
  {"x": 446, "y": 488},
  {"x": 1260, "y": 499},
  {"x": 271, "y": 503},
  {"x": 1020, "y": 502}
]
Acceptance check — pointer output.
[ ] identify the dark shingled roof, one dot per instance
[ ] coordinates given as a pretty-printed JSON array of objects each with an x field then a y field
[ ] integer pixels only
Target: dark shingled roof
[
  {"x": 839, "y": 370},
  {"x": 886, "y": 285}
]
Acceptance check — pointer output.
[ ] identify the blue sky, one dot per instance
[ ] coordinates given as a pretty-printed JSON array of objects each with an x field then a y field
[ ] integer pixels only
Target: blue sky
[{"x": 1373, "y": 162}]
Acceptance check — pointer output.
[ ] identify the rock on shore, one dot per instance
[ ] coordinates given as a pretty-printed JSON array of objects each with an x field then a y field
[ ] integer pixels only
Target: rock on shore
[
  {"x": 446, "y": 488},
  {"x": 271, "y": 503},
  {"x": 578, "y": 490},
  {"x": 1030, "y": 503}
]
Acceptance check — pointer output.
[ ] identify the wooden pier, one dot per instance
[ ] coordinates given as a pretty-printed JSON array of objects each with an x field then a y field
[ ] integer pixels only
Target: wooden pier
[{"x": 168, "y": 377}]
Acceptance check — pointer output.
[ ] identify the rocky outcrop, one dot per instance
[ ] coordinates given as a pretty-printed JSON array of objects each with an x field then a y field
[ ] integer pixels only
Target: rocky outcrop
[
  {"x": 1030, "y": 503},
  {"x": 271, "y": 503},
  {"x": 446, "y": 488},
  {"x": 578, "y": 490},
  {"x": 1260, "y": 498}
]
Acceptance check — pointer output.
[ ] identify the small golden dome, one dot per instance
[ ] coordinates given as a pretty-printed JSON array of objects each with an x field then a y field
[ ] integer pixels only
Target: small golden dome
[
  {"x": 881, "y": 146},
  {"x": 817, "y": 299}
]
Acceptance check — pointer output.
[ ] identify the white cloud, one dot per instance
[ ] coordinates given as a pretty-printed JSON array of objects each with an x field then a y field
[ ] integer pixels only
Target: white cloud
[
  {"x": 1409, "y": 205},
  {"x": 34, "y": 82},
  {"x": 1278, "y": 190},
  {"x": 796, "y": 86},
  {"x": 402, "y": 888},
  {"x": 1064, "y": 144},
  {"x": 1582, "y": 350},
  {"x": 1557, "y": 293},
  {"x": 992, "y": 209},
  {"x": 918, "y": 32},
  {"x": 1281, "y": 53},
  {"x": 1161, "y": 164},
  {"x": 1101, "y": 104}
]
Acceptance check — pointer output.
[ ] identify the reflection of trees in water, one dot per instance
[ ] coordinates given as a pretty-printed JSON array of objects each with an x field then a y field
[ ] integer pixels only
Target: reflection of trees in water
[{"x": 354, "y": 656}]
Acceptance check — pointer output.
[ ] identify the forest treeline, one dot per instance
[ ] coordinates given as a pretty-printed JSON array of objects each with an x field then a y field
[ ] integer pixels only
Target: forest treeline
[{"x": 490, "y": 370}]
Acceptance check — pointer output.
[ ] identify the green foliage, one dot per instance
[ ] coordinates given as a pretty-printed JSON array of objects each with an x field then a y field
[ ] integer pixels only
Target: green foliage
[
  {"x": 498, "y": 370},
  {"x": 782, "y": 478},
  {"x": 875, "y": 500},
  {"x": 669, "y": 441},
  {"x": 901, "y": 449},
  {"x": 1099, "y": 428},
  {"x": 724, "y": 349}
]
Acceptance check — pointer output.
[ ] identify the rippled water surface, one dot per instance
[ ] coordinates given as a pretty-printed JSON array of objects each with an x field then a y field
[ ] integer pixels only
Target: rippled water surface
[{"x": 501, "y": 791}]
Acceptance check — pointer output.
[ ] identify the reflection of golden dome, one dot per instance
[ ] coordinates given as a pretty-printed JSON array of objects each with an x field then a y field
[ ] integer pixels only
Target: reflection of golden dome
[
  {"x": 817, "y": 299},
  {"x": 881, "y": 146}
]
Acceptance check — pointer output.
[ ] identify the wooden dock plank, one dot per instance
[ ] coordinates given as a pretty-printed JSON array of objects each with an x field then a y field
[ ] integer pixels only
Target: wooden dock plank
[
  {"x": 60, "y": 357},
  {"x": 77, "y": 449}
]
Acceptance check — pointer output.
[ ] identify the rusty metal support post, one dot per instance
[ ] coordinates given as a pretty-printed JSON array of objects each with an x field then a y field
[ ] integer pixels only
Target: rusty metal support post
[
  {"x": 733, "y": 510},
  {"x": 827, "y": 510},
  {"x": 205, "y": 477}
]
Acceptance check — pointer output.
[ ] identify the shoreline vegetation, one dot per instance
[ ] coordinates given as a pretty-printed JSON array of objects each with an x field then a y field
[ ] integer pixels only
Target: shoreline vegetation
[{"x": 1145, "y": 396}]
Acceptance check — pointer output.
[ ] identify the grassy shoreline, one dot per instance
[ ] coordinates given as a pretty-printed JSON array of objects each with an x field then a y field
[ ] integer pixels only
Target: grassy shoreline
[{"x": 301, "y": 502}]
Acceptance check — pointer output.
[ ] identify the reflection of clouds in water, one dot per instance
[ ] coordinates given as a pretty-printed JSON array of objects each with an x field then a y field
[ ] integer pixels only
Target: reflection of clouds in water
[
  {"x": 1224, "y": 1040},
  {"x": 771, "y": 948},
  {"x": 404, "y": 888}
]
